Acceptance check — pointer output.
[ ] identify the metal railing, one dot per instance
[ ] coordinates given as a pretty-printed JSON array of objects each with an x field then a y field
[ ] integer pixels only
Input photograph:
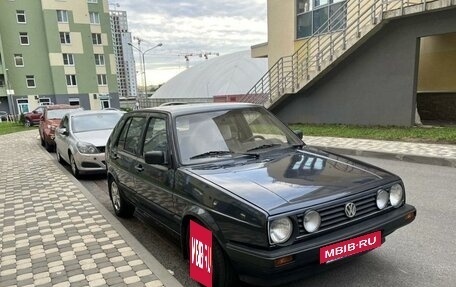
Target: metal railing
[{"x": 346, "y": 26}]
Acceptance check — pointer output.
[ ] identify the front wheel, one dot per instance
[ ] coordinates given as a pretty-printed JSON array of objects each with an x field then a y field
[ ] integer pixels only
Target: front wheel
[
  {"x": 27, "y": 123},
  {"x": 74, "y": 167},
  {"x": 122, "y": 208},
  {"x": 223, "y": 274}
]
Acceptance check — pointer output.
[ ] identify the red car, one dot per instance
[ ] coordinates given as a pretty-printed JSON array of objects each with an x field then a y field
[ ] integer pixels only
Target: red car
[
  {"x": 50, "y": 120},
  {"x": 33, "y": 117}
]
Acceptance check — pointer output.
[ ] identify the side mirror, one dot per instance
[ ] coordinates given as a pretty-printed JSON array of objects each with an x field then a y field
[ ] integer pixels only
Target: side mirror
[
  {"x": 63, "y": 131},
  {"x": 298, "y": 133},
  {"x": 155, "y": 157},
  {"x": 34, "y": 112}
]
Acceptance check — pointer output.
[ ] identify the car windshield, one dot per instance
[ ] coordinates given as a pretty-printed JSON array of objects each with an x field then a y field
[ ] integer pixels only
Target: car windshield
[
  {"x": 59, "y": 113},
  {"x": 94, "y": 122},
  {"x": 215, "y": 135}
]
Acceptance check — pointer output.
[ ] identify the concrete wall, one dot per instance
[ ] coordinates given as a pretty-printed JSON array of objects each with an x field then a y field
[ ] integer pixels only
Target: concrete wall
[{"x": 376, "y": 84}]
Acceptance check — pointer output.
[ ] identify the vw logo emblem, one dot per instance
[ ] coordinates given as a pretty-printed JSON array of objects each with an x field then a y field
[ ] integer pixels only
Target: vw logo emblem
[{"x": 350, "y": 209}]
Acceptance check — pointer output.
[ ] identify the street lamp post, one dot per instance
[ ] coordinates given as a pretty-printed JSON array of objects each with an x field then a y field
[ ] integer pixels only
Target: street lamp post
[{"x": 143, "y": 63}]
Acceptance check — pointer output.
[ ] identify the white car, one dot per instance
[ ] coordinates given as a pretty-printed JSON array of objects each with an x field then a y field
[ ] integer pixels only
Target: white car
[{"x": 81, "y": 140}]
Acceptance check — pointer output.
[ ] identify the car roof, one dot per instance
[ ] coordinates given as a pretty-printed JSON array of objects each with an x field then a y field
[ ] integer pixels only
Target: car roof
[
  {"x": 183, "y": 109},
  {"x": 61, "y": 106},
  {"x": 91, "y": 112}
]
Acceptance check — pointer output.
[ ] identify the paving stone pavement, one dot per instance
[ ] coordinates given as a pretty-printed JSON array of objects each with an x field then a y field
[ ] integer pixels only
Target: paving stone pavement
[
  {"x": 52, "y": 234},
  {"x": 436, "y": 154}
]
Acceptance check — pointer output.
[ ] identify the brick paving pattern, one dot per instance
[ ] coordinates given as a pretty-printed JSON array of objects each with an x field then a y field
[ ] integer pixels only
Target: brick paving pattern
[
  {"x": 440, "y": 154},
  {"x": 50, "y": 233}
]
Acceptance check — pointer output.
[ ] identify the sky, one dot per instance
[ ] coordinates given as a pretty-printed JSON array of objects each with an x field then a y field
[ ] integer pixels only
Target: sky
[{"x": 191, "y": 27}]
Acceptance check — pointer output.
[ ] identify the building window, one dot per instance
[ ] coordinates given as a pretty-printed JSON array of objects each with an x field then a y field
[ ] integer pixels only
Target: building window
[
  {"x": 96, "y": 38},
  {"x": 65, "y": 38},
  {"x": 62, "y": 16},
  {"x": 105, "y": 102},
  {"x": 22, "y": 106},
  {"x": 18, "y": 60},
  {"x": 44, "y": 101},
  {"x": 68, "y": 60},
  {"x": 99, "y": 60},
  {"x": 71, "y": 80},
  {"x": 94, "y": 17},
  {"x": 20, "y": 16},
  {"x": 316, "y": 17},
  {"x": 30, "y": 81},
  {"x": 74, "y": 101},
  {"x": 24, "y": 39},
  {"x": 92, "y": 1},
  {"x": 102, "y": 80}
]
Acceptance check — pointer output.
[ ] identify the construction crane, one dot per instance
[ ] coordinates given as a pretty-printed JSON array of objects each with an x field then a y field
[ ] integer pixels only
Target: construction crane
[{"x": 200, "y": 55}]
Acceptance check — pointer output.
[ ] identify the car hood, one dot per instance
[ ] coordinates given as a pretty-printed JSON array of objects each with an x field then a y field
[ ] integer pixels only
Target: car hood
[
  {"x": 294, "y": 180},
  {"x": 97, "y": 138}
]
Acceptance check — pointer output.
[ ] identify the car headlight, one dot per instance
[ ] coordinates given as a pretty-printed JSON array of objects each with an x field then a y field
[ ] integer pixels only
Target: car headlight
[
  {"x": 382, "y": 198},
  {"x": 87, "y": 148},
  {"x": 312, "y": 221},
  {"x": 396, "y": 195},
  {"x": 280, "y": 230}
]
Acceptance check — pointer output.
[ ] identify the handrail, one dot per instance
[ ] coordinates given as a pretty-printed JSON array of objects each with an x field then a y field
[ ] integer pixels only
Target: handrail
[{"x": 289, "y": 72}]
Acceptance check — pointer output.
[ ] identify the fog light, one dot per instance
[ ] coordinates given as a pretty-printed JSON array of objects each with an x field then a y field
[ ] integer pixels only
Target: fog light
[
  {"x": 396, "y": 195},
  {"x": 312, "y": 221},
  {"x": 382, "y": 199}
]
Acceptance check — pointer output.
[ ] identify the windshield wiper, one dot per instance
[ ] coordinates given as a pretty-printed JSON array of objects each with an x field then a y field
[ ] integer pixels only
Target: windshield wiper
[
  {"x": 263, "y": 146},
  {"x": 212, "y": 153}
]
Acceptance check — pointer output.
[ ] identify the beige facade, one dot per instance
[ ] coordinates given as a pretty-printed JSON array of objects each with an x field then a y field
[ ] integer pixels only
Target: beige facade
[{"x": 437, "y": 65}]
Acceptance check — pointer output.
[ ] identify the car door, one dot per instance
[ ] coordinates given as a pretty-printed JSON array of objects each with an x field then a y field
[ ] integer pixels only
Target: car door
[
  {"x": 61, "y": 140},
  {"x": 36, "y": 115},
  {"x": 124, "y": 154},
  {"x": 155, "y": 183}
]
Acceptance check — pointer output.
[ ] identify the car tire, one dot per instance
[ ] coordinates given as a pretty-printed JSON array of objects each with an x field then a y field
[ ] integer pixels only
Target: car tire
[
  {"x": 74, "y": 167},
  {"x": 223, "y": 274},
  {"x": 27, "y": 123},
  {"x": 42, "y": 140},
  {"x": 59, "y": 157},
  {"x": 122, "y": 207},
  {"x": 48, "y": 146}
]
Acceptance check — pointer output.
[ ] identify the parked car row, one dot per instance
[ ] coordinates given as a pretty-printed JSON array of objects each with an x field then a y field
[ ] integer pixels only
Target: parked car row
[{"x": 273, "y": 208}]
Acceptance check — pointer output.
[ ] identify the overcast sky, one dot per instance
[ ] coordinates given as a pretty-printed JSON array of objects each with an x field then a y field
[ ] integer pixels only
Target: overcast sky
[{"x": 193, "y": 26}]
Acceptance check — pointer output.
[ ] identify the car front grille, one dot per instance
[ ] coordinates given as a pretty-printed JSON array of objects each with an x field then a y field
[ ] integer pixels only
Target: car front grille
[{"x": 334, "y": 215}]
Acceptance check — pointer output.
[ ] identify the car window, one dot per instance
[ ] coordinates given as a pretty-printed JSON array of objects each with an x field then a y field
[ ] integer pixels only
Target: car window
[
  {"x": 94, "y": 122},
  {"x": 156, "y": 136},
  {"x": 64, "y": 122},
  {"x": 132, "y": 131}
]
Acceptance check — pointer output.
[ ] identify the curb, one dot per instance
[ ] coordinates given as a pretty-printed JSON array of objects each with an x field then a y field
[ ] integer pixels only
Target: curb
[
  {"x": 154, "y": 265},
  {"x": 440, "y": 161}
]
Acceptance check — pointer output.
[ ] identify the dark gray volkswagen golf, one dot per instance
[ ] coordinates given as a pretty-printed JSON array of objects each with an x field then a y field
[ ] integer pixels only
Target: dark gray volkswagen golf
[{"x": 268, "y": 208}]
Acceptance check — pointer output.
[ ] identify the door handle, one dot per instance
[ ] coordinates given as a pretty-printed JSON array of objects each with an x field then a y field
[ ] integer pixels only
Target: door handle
[
  {"x": 139, "y": 168},
  {"x": 115, "y": 156}
]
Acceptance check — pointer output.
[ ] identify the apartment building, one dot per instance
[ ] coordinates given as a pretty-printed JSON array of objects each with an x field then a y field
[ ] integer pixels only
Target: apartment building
[
  {"x": 126, "y": 70},
  {"x": 56, "y": 52},
  {"x": 367, "y": 62}
]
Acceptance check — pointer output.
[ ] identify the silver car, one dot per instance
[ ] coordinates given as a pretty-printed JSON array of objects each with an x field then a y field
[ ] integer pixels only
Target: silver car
[{"x": 81, "y": 140}]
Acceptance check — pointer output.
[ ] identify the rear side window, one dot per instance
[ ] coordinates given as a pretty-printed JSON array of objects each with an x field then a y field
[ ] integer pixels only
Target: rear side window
[{"x": 129, "y": 139}]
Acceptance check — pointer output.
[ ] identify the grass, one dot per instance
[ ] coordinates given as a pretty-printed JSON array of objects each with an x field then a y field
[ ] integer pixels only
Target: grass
[
  {"x": 445, "y": 135},
  {"x": 11, "y": 127}
]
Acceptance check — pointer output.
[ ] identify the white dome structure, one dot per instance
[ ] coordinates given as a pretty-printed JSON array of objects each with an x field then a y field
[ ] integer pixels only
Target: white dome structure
[{"x": 232, "y": 74}]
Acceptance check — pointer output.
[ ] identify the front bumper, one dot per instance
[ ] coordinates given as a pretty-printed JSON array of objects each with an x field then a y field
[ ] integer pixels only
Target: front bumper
[
  {"x": 90, "y": 163},
  {"x": 257, "y": 267}
]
